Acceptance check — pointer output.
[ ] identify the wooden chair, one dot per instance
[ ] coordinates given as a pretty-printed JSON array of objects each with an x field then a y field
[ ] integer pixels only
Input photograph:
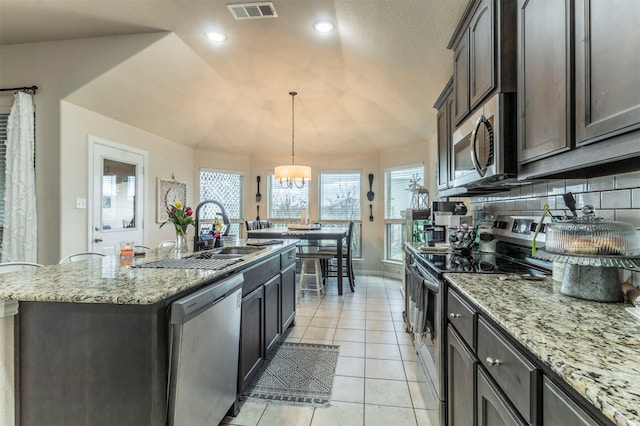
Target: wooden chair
[
  {"x": 80, "y": 256},
  {"x": 330, "y": 269},
  {"x": 265, "y": 224},
  {"x": 252, "y": 225}
]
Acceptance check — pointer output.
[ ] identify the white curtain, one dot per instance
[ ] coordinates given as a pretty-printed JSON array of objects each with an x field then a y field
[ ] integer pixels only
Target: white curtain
[{"x": 19, "y": 238}]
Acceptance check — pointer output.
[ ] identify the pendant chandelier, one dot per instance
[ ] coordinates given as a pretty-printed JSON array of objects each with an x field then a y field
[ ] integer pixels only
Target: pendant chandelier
[{"x": 292, "y": 175}]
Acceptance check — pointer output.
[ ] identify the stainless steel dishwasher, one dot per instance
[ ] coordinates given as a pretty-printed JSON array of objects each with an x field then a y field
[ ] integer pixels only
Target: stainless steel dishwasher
[{"x": 203, "y": 359}]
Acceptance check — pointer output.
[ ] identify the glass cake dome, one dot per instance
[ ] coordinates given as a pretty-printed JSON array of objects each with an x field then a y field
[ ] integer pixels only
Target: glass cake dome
[{"x": 591, "y": 235}]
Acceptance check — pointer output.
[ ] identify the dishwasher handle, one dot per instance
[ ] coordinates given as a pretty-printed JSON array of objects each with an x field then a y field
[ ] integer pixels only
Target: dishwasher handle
[{"x": 182, "y": 310}]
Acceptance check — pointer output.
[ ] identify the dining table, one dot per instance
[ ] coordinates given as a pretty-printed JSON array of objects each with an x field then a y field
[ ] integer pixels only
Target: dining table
[{"x": 311, "y": 234}]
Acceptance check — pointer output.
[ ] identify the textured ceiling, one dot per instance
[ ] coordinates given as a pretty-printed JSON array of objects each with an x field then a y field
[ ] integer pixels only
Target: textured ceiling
[{"x": 368, "y": 85}]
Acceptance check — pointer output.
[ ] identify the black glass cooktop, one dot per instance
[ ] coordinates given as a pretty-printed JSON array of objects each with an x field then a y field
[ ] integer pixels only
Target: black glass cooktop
[{"x": 506, "y": 260}]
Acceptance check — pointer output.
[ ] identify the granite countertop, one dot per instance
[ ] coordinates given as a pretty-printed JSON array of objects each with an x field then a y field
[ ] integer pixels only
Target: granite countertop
[
  {"x": 594, "y": 347},
  {"x": 112, "y": 280}
]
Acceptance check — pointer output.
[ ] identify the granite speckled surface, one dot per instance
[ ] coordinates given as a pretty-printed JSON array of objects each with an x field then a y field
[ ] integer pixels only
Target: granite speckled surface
[
  {"x": 111, "y": 280},
  {"x": 594, "y": 347}
]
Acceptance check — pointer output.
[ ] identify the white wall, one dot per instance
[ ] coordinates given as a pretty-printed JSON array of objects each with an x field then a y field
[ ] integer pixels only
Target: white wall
[
  {"x": 59, "y": 68},
  {"x": 165, "y": 159}
]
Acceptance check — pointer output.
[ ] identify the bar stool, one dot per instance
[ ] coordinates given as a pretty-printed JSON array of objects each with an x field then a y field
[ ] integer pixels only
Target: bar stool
[{"x": 311, "y": 258}]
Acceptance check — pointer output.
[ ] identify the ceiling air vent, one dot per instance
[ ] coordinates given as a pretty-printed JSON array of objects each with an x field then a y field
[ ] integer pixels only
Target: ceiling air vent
[{"x": 253, "y": 10}]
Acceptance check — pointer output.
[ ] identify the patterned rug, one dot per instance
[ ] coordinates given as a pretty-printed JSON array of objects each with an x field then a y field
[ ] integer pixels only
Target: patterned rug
[{"x": 295, "y": 374}]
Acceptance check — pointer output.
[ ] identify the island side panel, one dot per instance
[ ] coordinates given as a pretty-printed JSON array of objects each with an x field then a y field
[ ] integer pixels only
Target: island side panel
[{"x": 92, "y": 364}]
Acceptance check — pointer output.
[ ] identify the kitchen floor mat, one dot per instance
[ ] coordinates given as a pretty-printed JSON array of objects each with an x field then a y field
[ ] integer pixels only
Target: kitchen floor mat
[{"x": 295, "y": 374}]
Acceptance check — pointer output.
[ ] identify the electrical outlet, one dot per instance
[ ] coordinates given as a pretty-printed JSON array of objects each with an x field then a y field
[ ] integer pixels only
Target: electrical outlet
[{"x": 81, "y": 203}]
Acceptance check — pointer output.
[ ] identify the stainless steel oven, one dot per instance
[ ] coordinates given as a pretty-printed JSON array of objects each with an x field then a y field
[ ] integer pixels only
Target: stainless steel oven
[
  {"x": 424, "y": 307},
  {"x": 484, "y": 145}
]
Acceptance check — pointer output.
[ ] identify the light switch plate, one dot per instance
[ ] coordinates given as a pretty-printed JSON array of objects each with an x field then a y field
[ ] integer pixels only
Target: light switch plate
[{"x": 81, "y": 203}]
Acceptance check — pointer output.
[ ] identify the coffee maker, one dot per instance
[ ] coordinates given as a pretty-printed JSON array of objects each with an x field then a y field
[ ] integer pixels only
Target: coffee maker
[{"x": 448, "y": 214}]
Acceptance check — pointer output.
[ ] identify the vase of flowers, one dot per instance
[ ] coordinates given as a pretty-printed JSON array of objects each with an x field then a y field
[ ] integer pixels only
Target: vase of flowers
[{"x": 181, "y": 217}]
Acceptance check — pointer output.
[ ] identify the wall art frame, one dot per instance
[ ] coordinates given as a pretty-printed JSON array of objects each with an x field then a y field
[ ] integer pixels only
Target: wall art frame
[{"x": 168, "y": 192}]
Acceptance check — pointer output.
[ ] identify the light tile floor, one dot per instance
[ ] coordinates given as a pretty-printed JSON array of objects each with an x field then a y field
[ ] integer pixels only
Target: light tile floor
[{"x": 378, "y": 380}]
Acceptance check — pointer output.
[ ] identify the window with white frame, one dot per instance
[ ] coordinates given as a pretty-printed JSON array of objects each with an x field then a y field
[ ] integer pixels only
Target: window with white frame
[
  {"x": 227, "y": 188},
  {"x": 340, "y": 202},
  {"x": 285, "y": 204},
  {"x": 397, "y": 198}
]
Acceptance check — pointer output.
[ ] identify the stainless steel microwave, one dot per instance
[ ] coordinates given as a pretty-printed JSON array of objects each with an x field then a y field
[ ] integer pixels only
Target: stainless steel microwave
[{"x": 484, "y": 146}]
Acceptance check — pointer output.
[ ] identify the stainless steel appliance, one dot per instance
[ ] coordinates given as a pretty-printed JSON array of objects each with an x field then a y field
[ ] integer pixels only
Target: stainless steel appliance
[
  {"x": 203, "y": 359},
  {"x": 425, "y": 288},
  {"x": 483, "y": 149}
]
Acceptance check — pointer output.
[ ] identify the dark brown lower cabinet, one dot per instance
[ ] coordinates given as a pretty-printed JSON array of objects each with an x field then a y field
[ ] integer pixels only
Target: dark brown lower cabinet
[
  {"x": 252, "y": 351},
  {"x": 267, "y": 311},
  {"x": 461, "y": 365},
  {"x": 493, "y": 408},
  {"x": 559, "y": 410},
  {"x": 272, "y": 324},
  {"x": 288, "y": 293}
]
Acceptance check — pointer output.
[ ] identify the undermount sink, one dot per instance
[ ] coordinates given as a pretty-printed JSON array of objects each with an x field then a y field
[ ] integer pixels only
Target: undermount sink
[
  {"x": 238, "y": 250},
  {"x": 227, "y": 252}
]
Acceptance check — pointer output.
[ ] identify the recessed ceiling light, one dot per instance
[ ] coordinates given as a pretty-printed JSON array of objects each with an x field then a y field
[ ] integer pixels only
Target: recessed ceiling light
[
  {"x": 323, "y": 26},
  {"x": 213, "y": 36}
]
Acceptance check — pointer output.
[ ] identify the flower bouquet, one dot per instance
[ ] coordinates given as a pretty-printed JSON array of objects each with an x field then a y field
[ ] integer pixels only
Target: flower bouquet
[{"x": 181, "y": 217}]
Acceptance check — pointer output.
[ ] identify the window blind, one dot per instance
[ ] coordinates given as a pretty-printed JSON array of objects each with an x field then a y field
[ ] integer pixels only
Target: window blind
[
  {"x": 340, "y": 195},
  {"x": 286, "y": 203},
  {"x": 398, "y": 189}
]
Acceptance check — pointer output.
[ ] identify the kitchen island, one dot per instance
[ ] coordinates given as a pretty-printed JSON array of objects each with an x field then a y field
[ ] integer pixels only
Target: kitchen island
[
  {"x": 93, "y": 337},
  {"x": 588, "y": 349}
]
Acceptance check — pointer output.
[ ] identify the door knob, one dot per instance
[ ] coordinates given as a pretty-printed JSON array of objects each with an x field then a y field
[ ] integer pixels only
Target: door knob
[{"x": 97, "y": 240}]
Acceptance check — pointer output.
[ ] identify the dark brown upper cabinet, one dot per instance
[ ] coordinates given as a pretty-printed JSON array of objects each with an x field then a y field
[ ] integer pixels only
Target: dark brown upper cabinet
[
  {"x": 484, "y": 59},
  {"x": 461, "y": 78},
  {"x": 544, "y": 78},
  {"x": 591, "y": 127},
  {"x": 607, "y": 68},
  {"x": 445, "y": 127},
  {"x": 481, "y": 53}
]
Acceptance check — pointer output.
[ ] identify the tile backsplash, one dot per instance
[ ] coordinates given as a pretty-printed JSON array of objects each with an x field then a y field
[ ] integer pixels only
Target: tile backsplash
[{"x": 615, "y": 197}]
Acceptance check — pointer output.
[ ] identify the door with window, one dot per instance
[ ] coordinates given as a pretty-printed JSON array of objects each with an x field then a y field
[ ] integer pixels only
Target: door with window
[{"x": 116, "y": 195}]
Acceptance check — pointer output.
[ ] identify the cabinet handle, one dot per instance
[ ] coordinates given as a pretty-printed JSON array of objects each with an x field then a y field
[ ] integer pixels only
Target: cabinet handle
[
  {"x": 454, "y": 316},
  {"x": 493, "y": 362}
]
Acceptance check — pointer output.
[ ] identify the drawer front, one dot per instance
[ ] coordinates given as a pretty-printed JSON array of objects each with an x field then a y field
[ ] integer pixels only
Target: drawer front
[
  {"x": 517, "y": 377},
  {"x": 259, "y": 274},
  {"x": 462, "y": 316},
  {"x": 287, "y": 258}
]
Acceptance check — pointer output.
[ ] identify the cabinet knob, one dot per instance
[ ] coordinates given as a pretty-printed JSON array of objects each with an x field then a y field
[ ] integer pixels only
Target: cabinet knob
[
  {"x": 493, "y": 362},
  {"x": 454, "y": 316}
]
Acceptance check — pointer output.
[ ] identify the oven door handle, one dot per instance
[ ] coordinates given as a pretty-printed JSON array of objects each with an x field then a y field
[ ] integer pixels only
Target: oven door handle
[
  {"x": 474, "y": 145},
  {"x": 431, "y": 283}
]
